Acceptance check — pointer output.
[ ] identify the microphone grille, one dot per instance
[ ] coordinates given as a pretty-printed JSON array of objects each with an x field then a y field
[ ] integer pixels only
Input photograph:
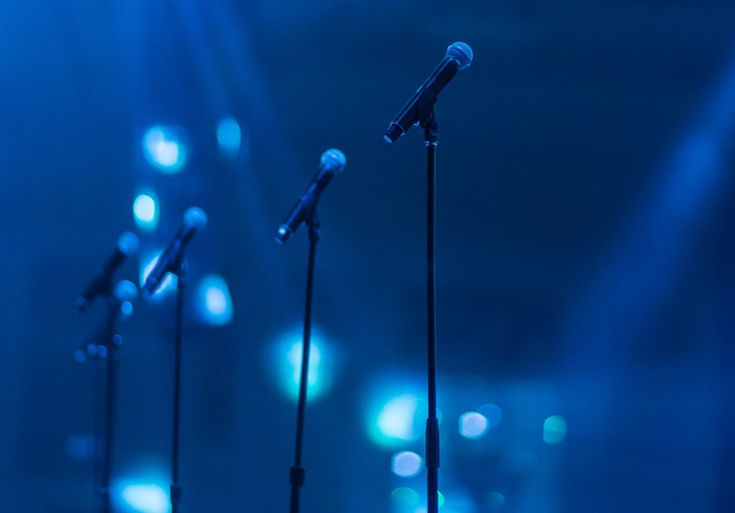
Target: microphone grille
[
  {"x": 333, "y": 160},
  {"x": 195, "y": 217},
  {"x": 128, "y": 243},
  {"x": 461, "y": 53}
]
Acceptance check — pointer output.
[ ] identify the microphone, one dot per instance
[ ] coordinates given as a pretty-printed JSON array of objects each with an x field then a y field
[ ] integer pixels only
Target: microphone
[
  {"x": 127, "y": 245},
  {"x": 194, "y": 220},
  {"x": 125, "y": 292},
  {"x": 459, "y": 56},
  {"x": 331, "y": 163}
]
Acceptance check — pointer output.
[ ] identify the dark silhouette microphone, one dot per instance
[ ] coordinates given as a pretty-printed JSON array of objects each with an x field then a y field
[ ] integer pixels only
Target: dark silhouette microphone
[
  {"x": 194, "y": 220},
  {"x": 127, "y": 245},
  {"x": 332, "y": 163},
  {"x": 459, "y": 56}
]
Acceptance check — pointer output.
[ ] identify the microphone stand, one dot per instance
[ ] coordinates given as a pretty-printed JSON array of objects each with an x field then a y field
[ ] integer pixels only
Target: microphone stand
[
  {"x": 102, "y": 466},
  {"x": 427, "y": 121},
  {"x": 297, "y": 474},
  {"x": 179, "y": 270},
  {"x": 111, "y": 346}
]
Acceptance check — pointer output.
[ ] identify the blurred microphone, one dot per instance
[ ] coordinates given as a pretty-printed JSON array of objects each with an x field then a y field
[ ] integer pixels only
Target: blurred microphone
[
  {"x": 459, "y": 56},
  {"x": 332, "y": 163},
  {"x": 127, "y": 245},
  {"x": 125, "y": 292},
  {"x": 194, "y": 220}
]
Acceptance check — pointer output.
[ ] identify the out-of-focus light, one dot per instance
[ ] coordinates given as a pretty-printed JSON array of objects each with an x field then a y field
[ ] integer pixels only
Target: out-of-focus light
[
  {"x": 493, "y": 413},
  {"x": 214, "y": 303},
  {"x": 473, "y": 425},
  {"x": 286, "y": 357},
  {"x": 169, "y": 281},
  {"x": 396, "y": 420},
  {"x": 555, "y": 429},
  {"x": 229, "y": 136},
  {"x": 405, "y": 496},
  {"x": 126, "y": 309},
  {"x": 80, "y": 447},
  {"x": 145, "y": 211},
  {"x": 495, "y": 502},
  {"x": 143, "y": 498},
  {"x": 164, "y": 149},
  {"x": 440, "y": 498},
  {"x": 457, "y": 501},
  {"x": 406, "y": 464}
]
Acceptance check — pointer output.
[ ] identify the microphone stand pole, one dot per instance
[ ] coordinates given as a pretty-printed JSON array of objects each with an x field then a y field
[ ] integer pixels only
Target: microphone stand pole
[
  {"x": 297, "y": 474},
  {"x": 103, "y": 458},
  {"x": 113, "y": 307},
  {"x": 427, "y": 121},
  {"x": 181, "y": 283}
]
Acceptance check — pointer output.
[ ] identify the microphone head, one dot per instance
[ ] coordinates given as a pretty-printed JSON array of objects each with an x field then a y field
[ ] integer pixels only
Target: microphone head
[
  {"x": 195, "y": 218},
  {"x": 128, "y": 243},
  {"x": 461, "y": 53},
  {"x": 333, "y": 160},
  {"x": 125, "y": 290}
]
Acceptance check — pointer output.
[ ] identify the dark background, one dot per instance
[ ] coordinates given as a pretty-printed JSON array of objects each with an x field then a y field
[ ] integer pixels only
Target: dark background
[{"x": 586, "y": 255}]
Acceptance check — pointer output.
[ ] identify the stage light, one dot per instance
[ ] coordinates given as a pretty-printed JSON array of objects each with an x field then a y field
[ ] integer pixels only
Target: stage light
[
  {"x": 142, "y": 497},
  {"x": 473, "y": 425},
  {"x": 214, "y": 303},
  {"x": 404, "y": 496},
  {"x": 493, "y": 413},
  {"x": 285, "y": 358},
  {"x": 145, "y": 211},
  {"x": 229, "y": 136},
  {"x": 495, "y": 502},
  {"x": 555, "y": 430},
  {"x": 396, "y": 421},
  {"x": 406, "y": 464},
  {"x": 146, "y": 266},
  {"x": 164, "y": 149}
]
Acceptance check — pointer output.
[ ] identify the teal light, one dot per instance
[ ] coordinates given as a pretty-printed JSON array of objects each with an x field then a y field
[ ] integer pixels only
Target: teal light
[
  {"x": 286, "y": 356},
  {"x": 229, "y": 136},
  {"x": 404, "y": 496},
  {"x": 145, "y": 211},
  {"x": 164, "y": 149},
  {"x": 395, "y": 411},
  {"x": 214, "y": 302},
  {"x": 555, "y": 430}
]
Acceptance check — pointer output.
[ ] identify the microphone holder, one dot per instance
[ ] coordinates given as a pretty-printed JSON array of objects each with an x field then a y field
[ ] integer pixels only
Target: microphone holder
[
  {"x": 427, "y": 121},
  {"x": 297, "y": 473}
]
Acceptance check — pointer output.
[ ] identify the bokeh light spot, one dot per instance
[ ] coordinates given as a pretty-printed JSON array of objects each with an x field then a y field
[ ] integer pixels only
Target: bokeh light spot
[{"x": 555, "y": 429}]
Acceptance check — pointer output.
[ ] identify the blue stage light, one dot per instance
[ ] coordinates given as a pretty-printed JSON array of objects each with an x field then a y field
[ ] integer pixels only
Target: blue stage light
[
  {"x": 473, "y": 425},
  {"x": 397, "y": 418},
  {"x": 396, "y": 415},
  {"x": 406, "y": 464},
  {"x": 146, "y": 266},
  {"x": 214, "y": 303},
  {"x": 285, "y": 358},
  {"x": 555, "y": 430},
  {"x": 145, "y": 211},
  {"x": 495, "y": 502},
  {"x": 164, "y": 149},
  {"x": 229, "y": 136},
  {"x": 142, "y": 497},
  {"x": 493, "y": 413}
]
